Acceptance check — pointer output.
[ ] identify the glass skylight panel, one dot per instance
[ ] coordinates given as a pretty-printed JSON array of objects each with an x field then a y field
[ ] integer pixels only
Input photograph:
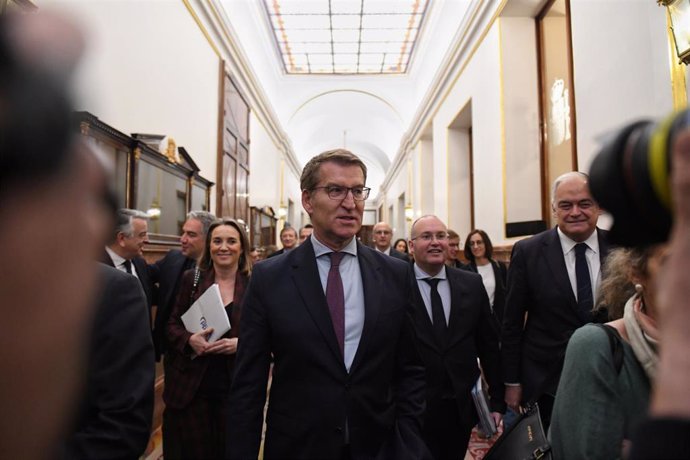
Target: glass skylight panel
[
  {"x": 382, "y": 21},
  {"x": 346, "y": 6},
  {"x": 317, "y": 47},
  {"x": 346, "y": 47},
  {"x": 346, "y": 21},
  {"x": 345, "y": 36}
]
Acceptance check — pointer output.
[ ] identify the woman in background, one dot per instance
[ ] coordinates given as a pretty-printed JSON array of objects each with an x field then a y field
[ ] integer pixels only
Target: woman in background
[
  {"x": 401, "y": 246},
  {"x": 600, "y": 403},
  {"x": 199, "y": 374},
  {"x": 479, "y": 251}
]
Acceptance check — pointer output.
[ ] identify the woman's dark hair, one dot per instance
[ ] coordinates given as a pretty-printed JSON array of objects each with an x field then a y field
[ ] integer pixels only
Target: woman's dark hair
[
  {"x": 244, "y": 265},
  {"x": 407, "y": 251},
  {"x": 487, "y": 245}
]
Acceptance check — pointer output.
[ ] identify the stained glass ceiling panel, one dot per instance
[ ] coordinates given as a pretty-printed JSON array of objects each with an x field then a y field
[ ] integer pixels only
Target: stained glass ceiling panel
[{"x": 345, "y": 36}]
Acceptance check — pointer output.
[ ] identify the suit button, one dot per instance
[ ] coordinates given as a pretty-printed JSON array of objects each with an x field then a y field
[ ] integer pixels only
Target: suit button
[{"x": 338, "y": 429}]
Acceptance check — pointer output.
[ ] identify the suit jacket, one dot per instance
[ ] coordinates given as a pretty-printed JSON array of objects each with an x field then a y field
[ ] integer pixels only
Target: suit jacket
[
  {"x": 167, "y": 273},
  {"x": 538, "y": 284},
  {"x": 471, "y": 335},
  {"x": 500, "y": 275},
  {"x": 114, "y": 420},
  {"x": 184, "y": 374},
  {"x": 143, "y": 273},
  {"x": 399, "y": 255},
  {"x": 277, "y": 253},
  {"x": 313, "y": 396}
]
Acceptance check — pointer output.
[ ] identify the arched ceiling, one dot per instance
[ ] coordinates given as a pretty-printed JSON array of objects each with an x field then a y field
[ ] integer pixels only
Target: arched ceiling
[{"x": 356, "y": 120}]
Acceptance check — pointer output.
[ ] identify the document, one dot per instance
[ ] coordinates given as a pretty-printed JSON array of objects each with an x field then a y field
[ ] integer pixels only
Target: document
[
  {"x": 207, "y": 311},
  {"x": 481, "y": 403}
]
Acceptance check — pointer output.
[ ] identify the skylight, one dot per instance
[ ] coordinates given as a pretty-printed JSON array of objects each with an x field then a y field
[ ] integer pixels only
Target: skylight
[{"x": 345, "y": 36}]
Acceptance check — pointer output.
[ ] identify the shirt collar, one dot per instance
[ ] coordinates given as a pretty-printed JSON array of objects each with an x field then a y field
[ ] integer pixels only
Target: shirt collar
[
  {"x": 421, "y": 274},
  {"x": 387, "y": 251},
  {"x": 117, "y": 260},
  {"x": 321, "y": 249},
  {"x": 568, "y": 244}
]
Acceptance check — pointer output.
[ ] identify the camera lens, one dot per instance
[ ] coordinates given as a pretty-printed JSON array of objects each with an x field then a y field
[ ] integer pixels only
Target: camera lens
[{"x": 629, "y": 178}]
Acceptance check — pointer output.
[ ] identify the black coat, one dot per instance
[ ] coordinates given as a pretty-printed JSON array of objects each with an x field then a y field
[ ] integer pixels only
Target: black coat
[
  {"x": 285, "y": 315},
  {"x": 538, "y": 285},
  {"x": 167, "y": 273},
  {"x": 114, "y": 418}
]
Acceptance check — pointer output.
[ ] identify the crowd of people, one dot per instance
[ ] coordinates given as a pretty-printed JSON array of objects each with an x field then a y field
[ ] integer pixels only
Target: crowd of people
[{"x": 372, "y": 352}]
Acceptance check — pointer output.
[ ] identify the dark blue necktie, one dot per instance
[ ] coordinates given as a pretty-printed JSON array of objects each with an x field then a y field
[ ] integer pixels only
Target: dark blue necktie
[
  {"x": 128, "y": 266},
  {"x": 585, "y": 300},
  {"x": 437, "y": 315}
]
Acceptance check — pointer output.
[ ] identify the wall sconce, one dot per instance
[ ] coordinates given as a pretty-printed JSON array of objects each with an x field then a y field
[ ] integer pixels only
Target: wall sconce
[
  {"x": 282, "y": 211},
  {"x": 679, "y": 12},
  {"x": 409, "y": 213}
]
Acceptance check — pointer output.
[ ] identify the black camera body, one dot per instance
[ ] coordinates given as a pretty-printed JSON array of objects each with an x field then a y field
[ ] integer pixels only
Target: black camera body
[{"x": 630, "y": 178}]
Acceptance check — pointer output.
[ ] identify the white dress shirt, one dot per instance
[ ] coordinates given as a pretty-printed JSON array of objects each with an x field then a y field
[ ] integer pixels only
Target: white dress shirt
[
  {"x": 353, "y": 289},
  {"x": 593, "y": 260},
  {"x": 119, "y": 262},
  {"x": 425, "y": 289}
]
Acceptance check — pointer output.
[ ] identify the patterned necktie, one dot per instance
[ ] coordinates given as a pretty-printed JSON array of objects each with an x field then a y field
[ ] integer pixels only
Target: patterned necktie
[
  {"x": 585, "y": 300},
  {"x": 335, "y": 297},
  {"x": 437, "y": 315},
  {"x": 128, "y": 266}
]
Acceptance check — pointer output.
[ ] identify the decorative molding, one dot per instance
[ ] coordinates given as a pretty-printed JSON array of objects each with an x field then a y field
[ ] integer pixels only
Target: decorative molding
[
  {"x": 213, "y": 22},
  {"x": 481, "y": 16}
]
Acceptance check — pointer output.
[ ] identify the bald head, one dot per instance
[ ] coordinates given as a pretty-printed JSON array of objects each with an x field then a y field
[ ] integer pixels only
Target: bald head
[
  {"x": 383, "y": 233},
  {"x": 575, "y": 210}
]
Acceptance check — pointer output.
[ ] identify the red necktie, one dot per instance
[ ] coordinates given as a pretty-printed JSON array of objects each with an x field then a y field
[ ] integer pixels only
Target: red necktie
[{"x": 335, "y": 297}]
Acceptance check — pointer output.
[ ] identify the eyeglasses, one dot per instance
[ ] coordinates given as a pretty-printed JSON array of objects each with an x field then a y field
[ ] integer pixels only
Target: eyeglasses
[
  {"x": 336, "y": 192},
  {"x": 441, "y": 236}
]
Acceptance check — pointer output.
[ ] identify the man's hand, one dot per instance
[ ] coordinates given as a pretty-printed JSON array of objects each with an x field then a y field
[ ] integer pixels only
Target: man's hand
[
  {"x": 513, "y": 397},
  {"x": 198, "y": 341}
]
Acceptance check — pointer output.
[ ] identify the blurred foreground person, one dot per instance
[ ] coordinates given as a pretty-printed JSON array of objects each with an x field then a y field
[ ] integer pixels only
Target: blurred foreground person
[
  {"x": 667, "y": 434},
  {"x": 199, "y": 373},
  {"x": 48, "y": 286},
  {"x": 604, "y": 389}
]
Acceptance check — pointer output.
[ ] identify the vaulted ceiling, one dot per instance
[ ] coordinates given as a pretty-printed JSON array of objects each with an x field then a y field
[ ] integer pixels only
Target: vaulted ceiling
[{"x": 368, "y": 114}]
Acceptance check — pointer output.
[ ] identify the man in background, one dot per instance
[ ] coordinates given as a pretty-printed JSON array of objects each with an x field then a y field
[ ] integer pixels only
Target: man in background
[
  {"x": 553, "y": 279},
  {"x": 383, "y": 234},
  {"x": 167, "y": 272},
  {"x": 125, "y": 251},
  {"x": 288, "y": 237},
  {"x": 305, "y": 232}
]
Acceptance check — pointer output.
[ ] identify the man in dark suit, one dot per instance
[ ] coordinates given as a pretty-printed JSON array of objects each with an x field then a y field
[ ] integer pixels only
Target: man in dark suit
[
  {"x": 125, "y": 251},
  {"x": 288, "y": 238},
  {"x": 347, "y": 378},
  {"x": 553, "y": 278},
  {"x": 383, "y": 233},
  {"x": 167, "y": 272},
  {"x": 114, "y": 418},
  {"x": 454, "y": 326}
]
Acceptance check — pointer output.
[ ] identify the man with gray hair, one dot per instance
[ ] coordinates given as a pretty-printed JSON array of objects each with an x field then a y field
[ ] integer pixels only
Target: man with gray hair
[
  {"x": 125, "y": 251},
  {"x": 553, "y": 279},
  {"x": 168, "y": 271}
]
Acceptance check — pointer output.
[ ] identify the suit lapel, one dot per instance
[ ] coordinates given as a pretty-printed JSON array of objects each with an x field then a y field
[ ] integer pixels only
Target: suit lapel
[
  {"x": 458, "y": 297},
  {"x": 423, "y": 325},
  {"x": 553, "y": 252},
  {"x": 373, "y": 287},
  {"x": 305, "y": 275}
]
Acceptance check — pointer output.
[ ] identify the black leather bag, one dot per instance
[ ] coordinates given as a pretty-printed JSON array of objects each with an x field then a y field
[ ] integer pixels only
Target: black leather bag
[{"x": 525, "y": 440}]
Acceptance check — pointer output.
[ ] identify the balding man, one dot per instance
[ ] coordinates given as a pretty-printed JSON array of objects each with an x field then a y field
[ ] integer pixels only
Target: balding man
[
  {"x": 454, "y": 326},
  {"x": 553, "y": 278},
  {"x": 383, "y": 234}
]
